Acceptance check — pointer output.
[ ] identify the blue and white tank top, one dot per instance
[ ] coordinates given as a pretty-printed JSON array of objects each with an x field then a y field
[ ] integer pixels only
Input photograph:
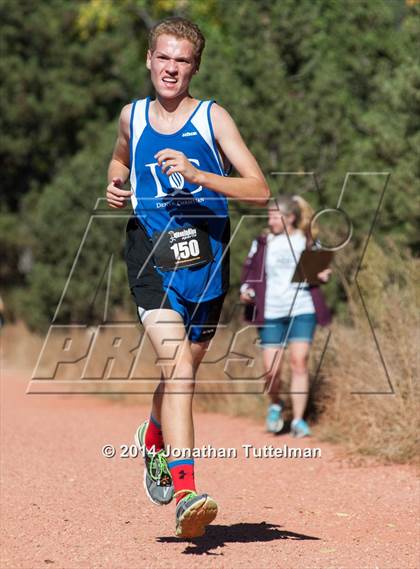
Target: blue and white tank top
[{"x": 163, "y": 203}]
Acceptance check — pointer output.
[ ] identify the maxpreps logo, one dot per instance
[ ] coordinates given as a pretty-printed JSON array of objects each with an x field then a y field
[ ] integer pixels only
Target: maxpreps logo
[
  {"x": 184, "y": 234},
  {"x": 176, "y": 180}
]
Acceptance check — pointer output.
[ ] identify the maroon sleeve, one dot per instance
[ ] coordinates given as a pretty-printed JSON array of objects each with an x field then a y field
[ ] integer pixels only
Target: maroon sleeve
[
  {"x": 253, "y": 275},
  {"x": 251, "y": 268},
  {"x": 323, "y": 313}
]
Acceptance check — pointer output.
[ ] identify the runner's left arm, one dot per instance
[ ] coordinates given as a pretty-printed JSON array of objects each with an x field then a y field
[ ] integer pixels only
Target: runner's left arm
[{"x": 250, "y": 186}]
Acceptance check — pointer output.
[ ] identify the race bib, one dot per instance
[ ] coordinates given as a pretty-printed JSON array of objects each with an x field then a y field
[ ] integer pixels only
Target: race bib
[{"x": 182, "y": 248}]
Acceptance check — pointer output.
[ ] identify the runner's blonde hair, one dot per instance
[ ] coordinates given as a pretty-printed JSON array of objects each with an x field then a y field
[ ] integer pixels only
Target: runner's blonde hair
[{"x": 180, "y": 28}]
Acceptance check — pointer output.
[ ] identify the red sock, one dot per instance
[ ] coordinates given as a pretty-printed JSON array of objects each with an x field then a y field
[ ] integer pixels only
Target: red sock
[
  {"x": 182, "y": 472},
  {"x": 153, "y": 437}
]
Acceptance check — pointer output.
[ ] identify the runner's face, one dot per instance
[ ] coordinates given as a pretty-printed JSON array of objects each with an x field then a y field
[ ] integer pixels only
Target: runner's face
[
  {"x": 171, "y": 65},
  {"x": 277, "y": 220}
]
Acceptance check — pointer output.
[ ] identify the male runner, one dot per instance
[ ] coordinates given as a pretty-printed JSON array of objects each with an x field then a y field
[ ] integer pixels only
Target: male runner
[{"x": 176, "y": 149}]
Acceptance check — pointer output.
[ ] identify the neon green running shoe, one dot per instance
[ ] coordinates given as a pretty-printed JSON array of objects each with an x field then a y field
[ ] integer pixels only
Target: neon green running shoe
[{"x": 157, "y": 480}]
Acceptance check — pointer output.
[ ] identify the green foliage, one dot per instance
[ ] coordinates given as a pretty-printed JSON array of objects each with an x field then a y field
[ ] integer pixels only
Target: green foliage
[
  {"x": 303, "y": 82},
  {"x": 13, "y": 241},
  {"x": 54, "y": 86},
  {"x": 313, "y": 86},
  {"x": 76, "y": 236}
]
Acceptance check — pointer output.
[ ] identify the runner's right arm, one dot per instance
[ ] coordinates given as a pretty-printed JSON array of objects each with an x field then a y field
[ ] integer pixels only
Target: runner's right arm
[{"x": 119, "y": 166}]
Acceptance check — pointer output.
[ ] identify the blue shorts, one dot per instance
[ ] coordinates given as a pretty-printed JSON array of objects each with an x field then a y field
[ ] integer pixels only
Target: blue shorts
[
  {"x": 278, "y": 332},
  {"x": 200, "y": 318}
]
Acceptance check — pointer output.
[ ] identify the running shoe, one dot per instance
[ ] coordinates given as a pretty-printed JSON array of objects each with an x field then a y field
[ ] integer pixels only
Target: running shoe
[
  {"x": 274, "y": 421},
  {"x": 193, "y": 513},
  {"x": 157, "y": 479},
  {"x": 300, "y": 428}
]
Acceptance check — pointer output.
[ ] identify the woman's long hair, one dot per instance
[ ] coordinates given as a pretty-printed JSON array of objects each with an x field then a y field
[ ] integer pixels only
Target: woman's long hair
[{"x": 302, "y": 211}]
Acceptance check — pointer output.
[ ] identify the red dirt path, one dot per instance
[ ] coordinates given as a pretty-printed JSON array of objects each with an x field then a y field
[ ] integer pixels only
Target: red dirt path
[{"x": 63, "y": 505}]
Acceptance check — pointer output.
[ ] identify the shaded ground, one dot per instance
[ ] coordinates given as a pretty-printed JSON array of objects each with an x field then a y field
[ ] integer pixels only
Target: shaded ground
[{"x": 64, "y": 505}]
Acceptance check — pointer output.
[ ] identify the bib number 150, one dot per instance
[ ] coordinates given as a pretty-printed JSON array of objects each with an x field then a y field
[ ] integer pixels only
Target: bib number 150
[{"x": 186, "y": 249}]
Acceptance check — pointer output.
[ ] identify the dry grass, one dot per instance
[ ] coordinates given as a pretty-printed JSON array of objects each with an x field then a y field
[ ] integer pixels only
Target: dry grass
[{"x": 382, "y": 420}]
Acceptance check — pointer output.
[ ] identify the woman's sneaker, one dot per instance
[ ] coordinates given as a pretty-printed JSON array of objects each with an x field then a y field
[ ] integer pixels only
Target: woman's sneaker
[
  {"x": 193, "y": 513},
  {"x": 274, "y": 420},
  {"x": 157, "y": 479},
  {"x": 300, "y": 428}
]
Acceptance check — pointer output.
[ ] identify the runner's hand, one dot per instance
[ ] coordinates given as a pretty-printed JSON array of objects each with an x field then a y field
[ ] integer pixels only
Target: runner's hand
[
  {"x": 172, "y": 161},
  {"x": 115, "y": 196},
  {"x": 324, "y": 275}
]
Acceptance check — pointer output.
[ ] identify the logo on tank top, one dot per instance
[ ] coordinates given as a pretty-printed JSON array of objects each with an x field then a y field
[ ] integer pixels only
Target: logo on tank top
[{"x": 176, "y": 181}]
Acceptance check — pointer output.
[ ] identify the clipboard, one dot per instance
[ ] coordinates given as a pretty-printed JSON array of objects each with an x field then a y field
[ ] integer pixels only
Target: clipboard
[{"x": 310, "y": 264}]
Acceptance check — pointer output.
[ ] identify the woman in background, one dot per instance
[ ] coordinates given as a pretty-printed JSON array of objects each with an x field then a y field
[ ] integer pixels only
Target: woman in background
[{"x": 286, "y": 313}]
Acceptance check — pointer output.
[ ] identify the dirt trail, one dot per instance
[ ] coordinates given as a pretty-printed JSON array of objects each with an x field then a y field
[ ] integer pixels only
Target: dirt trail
[{"x": 64, "y": 505}]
